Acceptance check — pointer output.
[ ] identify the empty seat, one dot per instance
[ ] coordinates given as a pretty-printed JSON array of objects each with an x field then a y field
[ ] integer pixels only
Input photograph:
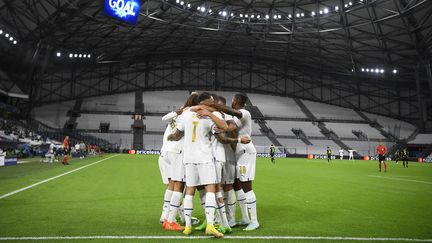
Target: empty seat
[
  {"x": 53, "y": 115},
  {"x": 284, "y": 128},
  {"x": 92, "y": 121},
  {"x": 422, "y": 138},
  {"x": 398, "y": 128},
  {"x": 276, "y": 106},
  {"x": 325, "y": 111}
]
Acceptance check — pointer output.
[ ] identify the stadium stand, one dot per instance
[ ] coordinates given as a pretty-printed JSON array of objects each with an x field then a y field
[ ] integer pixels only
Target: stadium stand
[
  {"x": 422, "y": 138},
  {"x": 294, "y": 146},
  {"x": 320, "y": 146},
  {"x": 344, "y": 130},
  {"x": 285, "y": 128},
  {"x": 53, "y": 115},
  {"x": 275, "y": 118},
  {"x": 399, "y": 129},
  {"x": 120, "y": 102},
  {"x": 93, "y": 121},
  {"x": 276, "y": 106},
  {"x": 152, "y": 142},
  {"x": 325, "y": 111},
  {"x": 163, "y": 101},
  {"x": 154, "y": 124}
]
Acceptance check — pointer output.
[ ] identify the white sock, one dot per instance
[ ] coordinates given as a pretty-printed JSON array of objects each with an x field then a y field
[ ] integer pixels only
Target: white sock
[
  {"x": 188, "y": 208},
  {"x": 174, "y": 205},
  {"x": 221, "y": 210},
  {"x": 251, "y": 205},
  {"x": 230, "y": 200},
  {"x": 202, "y": 197},
  {"x": 181, "y": 212},
  {"x": 210, "y": 207},
  {"x": 166, "y": 204},
  {"x": 241, "y": 198}
]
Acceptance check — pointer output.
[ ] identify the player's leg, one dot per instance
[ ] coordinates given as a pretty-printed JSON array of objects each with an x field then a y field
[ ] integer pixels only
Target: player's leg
[
  {"x": 208, "y": 177},
  {"x": 167, "y": 200},
  {"x": 228, "y": 177},
  {"x": 64, "y": 161},
  {"x": 383, "y": 159},
  {"x": 247, "y": 165},
  {"x": 164, "y": 168},
  {"x": 188, "y": 209},
  {"x": 202, "y": 195},
  {"x": 176, "y": 199},
  {"x": 220, "y": 210},
  {"x": 241, "y": 199},
  {"x": 178, "y": 175}
]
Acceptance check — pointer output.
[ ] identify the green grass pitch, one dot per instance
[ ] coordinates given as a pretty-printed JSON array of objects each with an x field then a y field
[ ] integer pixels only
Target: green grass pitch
[{"x": 122, "y": 196}]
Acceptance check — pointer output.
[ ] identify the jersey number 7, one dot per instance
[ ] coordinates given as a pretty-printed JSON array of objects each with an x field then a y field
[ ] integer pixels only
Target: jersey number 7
[{"x": 195, "y": 124}]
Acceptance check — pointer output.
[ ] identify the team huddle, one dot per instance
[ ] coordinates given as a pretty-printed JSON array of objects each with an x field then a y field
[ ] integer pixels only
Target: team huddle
[{"x": 207, "y": 148}]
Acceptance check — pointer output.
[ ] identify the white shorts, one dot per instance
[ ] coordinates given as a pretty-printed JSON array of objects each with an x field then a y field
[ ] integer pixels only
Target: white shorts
[
  {"x": 229, "y": 172},
  {"x": 201, "y": 174},
  {"x": 219, "y": 167},
  {"x": 177, "y": 170},
  {"x": 246, "y": 163},
  {"x": 165, "y": 169}
]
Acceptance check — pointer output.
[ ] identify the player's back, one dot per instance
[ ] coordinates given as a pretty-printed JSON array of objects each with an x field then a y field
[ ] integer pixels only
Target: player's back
[
  {"x": 197, "y": 145},
  {"x": 171, "y": 146},
  {"x": 244, "y": 126}
]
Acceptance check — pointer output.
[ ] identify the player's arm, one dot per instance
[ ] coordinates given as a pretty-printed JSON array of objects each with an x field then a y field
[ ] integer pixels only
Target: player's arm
[
  {"x": 179, "y": 132},
  {"x": 168, "y": 117},
  {"x": 231, "y": 126},
  {"x": 227, "y": 140},
  {"x": 175, "y": 136},
  {"x": 211, "y": 106},
  {"x": 220, "y": 123}
]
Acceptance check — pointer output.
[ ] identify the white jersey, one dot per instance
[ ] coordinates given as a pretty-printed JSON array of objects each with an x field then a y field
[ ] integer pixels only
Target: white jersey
[
  {"x": 197, "y": 147},
  {"x": 244, "y": 126},
  {"x": 229, "y": 152},
  {"x": 341, "y": 152},
  {"x": 351, "y": 152},
  {"x": 218, "y": 148},
  {"x": 51, "y": 149},
  {"x": 77, "y": 147},
  {"x": 171, "y": 146}
]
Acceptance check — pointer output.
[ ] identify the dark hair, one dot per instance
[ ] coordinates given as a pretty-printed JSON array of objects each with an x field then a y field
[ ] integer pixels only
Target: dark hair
[
  {"x": 215, "y": 98},
  {"x": 222, "y": 99},
  {"x": 242, "y": 99},
  {"x": 191, "y": 100},
  {"x": 204, "y": 96}
]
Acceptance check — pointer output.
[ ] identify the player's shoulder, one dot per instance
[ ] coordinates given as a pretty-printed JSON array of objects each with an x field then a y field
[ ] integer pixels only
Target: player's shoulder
[{"x": 245, "y": 113}]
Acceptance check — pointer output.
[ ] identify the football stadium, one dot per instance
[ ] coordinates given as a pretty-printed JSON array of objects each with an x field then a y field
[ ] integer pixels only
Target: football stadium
[{"x": 223, "y": 120}]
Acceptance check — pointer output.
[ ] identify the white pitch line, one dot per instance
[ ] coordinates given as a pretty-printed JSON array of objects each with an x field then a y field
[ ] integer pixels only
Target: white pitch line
[
  {"x": 400, "y": 179},
  {"x": 52, "y": 178},
  {"x": 328, "y": 238}
]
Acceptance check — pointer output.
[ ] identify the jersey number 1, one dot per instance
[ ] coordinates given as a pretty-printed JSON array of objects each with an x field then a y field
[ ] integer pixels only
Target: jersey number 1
[{"x": 195, "y": 124}]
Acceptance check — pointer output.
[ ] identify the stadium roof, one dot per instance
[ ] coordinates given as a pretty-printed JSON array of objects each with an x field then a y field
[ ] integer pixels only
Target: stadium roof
[{"x": 342, "y": 39}]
